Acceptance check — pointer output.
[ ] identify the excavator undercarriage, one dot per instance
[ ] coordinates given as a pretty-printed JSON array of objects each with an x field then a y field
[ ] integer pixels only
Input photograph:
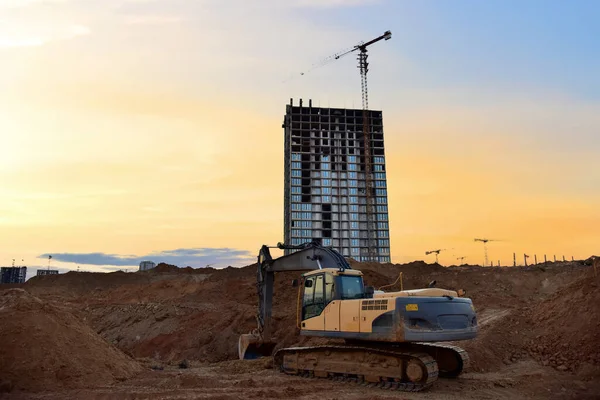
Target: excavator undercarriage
[
  {"x": 405, "y": 367},
  {"x": 390, "y": 368}
]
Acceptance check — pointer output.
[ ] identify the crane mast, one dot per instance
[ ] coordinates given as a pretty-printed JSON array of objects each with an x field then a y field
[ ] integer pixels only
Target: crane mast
[
  {"x": 485, "y": 249},
  {"x": 436, "y": 252},
  {"x": 363, "y": 66}
]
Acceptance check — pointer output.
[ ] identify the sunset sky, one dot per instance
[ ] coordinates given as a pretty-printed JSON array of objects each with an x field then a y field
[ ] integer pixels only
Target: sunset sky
[{"x": 151, "y": 129}]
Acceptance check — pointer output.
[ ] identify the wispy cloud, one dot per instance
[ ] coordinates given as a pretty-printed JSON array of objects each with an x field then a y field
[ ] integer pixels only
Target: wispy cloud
[
  {"x": 194, "y": 257},
  {"x": 17, "y": 42},
  {"x": 64, "y": 33},
  {"x": 151, "y": 19},
  {"x": 27, "y": 3}
]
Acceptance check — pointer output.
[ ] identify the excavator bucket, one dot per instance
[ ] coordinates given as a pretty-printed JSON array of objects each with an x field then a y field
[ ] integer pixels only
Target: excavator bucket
[{"x": 251, "y": 347}]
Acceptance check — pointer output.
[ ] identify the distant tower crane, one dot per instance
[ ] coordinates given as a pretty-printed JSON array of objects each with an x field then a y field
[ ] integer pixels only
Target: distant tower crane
[
  {"x": 485, "y": 241},
  {"x": 363, "y": 66},
  {"x": 436, "y": 252}
]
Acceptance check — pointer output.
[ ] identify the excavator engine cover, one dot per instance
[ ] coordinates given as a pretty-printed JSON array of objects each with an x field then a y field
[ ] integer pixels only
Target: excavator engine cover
[{"x": 251, "y": 347}]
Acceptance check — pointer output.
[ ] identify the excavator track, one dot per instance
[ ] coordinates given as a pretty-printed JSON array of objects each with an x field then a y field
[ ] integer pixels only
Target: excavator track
[
  {"x": 451, "y": 360},
  {"x": 388, "y": 368}
]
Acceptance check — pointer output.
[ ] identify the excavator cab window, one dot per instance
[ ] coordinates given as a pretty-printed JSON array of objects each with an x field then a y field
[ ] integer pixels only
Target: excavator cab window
[
  {"x": 352, "y": 287},
  {"x": 314, "y": 296}
]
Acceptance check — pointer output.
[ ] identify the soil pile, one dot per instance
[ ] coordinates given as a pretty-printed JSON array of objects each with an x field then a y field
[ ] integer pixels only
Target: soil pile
[
  {"x": 76, "y": 284},
  {"x": 568, "y": 327},
  {"x": 168, "y": 268},
  {"x": 501, "y": 340},
  {"x": 200, "y": 317},
  {"x": 44, "y": 347},
  {"x": 169, "y": 313}
]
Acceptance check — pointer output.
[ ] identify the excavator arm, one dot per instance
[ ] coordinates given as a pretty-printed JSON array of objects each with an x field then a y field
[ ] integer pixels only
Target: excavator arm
[{"x": 307, "y": 257}]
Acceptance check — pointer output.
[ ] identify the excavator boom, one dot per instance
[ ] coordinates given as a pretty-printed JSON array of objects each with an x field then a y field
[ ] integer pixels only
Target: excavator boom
[{"x": 307, "y": 257}]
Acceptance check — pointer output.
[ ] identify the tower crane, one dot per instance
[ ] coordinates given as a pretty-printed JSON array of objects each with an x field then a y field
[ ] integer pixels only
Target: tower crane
[
  {"x": 436, "y": 252},
  {"x": 485, "y": 241},
  {"x": 363, "y": 66}
]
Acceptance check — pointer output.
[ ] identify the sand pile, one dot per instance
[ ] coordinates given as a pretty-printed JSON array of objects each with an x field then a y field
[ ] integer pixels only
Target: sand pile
[
  {"x": 44, "y": 347},
  {"x": 568, "y": 327}
]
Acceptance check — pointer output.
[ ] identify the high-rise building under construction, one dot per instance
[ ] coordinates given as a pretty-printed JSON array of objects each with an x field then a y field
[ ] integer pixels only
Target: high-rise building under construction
[
  {"x": 326, "y": 187},
  {"x": 13, "y": 274}
]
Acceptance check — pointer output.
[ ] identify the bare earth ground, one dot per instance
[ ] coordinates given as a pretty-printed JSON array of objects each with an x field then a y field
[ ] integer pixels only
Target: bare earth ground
[
  {"x": 250, "y": 380},
  {"x": 97, "y": 336}
]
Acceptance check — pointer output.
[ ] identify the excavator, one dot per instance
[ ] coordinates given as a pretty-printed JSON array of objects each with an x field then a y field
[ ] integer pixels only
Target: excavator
[{"x": 390, "y": 340}]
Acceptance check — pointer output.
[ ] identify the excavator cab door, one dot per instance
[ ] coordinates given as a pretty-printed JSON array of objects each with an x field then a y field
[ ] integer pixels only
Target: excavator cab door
[
  {"x": 318, "y": 301},
  {"x": 332, "y": 307},
  {"x": 313, "y": 301}
]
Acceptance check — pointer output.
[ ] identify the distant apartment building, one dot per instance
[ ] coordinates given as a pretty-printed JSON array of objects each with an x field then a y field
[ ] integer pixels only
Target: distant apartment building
[
  {"x": 325, "y": 181},
  {"x": 146, "y": 265},
  {"x": 43, "y": 272},
  {"x": 13, "y": 274}
]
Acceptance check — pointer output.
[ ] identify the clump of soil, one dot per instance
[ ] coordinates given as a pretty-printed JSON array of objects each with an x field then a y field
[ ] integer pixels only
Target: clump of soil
[
  {"x": 568, "y": 327},
  {"x": 45, "y": 347},
  {"x": 499, "y": 342}
]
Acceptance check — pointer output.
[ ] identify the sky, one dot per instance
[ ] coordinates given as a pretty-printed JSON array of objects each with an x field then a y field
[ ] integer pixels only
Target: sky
[{"x": 151, "y": 129}]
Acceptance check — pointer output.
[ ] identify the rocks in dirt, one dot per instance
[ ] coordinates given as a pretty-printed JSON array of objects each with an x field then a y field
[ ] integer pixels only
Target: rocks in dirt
[
  {"x": 569, "y": 329},
  {"x": 5, "y": 386}
]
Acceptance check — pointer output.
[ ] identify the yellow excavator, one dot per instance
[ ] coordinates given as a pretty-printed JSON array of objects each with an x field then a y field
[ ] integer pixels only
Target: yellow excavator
[{"x": 391, "y": 340}]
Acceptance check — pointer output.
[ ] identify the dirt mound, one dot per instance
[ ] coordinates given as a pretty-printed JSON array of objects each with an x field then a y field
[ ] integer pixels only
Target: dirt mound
[
  {"x": 76, "y": 283},
  {"x": 199, "y": 314},
  {"x": 500, "y": 341},
  {"x": 568, "y": 327},
  {"x": 162, "y": 267},
  {"x": 185, "y": 317},
  {"x": 168, "y": 268},
  {"x": 43, "y": 346}
]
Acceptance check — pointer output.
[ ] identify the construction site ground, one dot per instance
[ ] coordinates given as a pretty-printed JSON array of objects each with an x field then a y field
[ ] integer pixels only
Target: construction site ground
[{"x": 124, "y": 335}]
